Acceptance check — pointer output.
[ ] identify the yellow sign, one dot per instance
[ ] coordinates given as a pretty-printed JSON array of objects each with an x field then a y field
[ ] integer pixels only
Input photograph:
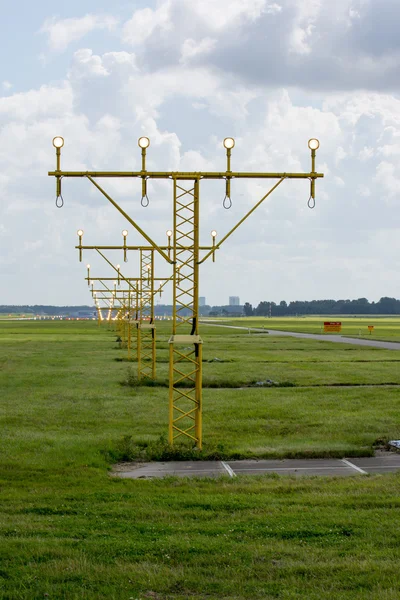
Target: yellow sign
[
  {"x": 332, "y": 326},
  {"x": 370, "y": 329}
]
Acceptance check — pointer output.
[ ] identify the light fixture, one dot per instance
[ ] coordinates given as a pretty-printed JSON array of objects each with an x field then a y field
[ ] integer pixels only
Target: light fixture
[
  {"x": 313, "y": 144},
  {"x": 213, "y": 235},
  {"x": 58, "y": 141},
  {"x": 80, "y": 234},
  {"x": 88, "y": 266},
  {"x": 118, "y": 267},
  {"x": 125, "y": 233},
  {"x": 229, "y": 143},
  {"x": 143, "y": 142},
  {"x": 169, "y": 235}
]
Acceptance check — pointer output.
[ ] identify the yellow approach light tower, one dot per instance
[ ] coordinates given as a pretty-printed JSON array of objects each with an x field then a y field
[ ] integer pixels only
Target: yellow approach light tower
[
  {"x": 145, "y": 325},
  {"x": 185, "y": 369},
  {"x": 140, "y": 306},
  {"x": 111, "y": 293}
]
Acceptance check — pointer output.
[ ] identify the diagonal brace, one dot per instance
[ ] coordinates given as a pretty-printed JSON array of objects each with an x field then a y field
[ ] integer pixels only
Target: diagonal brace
[{"x": 131, "y": 221}]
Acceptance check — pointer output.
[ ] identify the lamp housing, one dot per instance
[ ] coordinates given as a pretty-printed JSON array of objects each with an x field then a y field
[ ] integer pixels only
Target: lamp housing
[
  {"x": 229, "y": 143},
  {"x": 313, "y": 144},
  {"x": 143, "y": 142},
  {"x": 58, "y": 141}
]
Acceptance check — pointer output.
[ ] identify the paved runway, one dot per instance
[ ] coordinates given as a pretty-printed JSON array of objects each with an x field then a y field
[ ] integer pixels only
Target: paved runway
[
  {"x": 383, "y": 462},
  {"x": 338, "y": 339}
]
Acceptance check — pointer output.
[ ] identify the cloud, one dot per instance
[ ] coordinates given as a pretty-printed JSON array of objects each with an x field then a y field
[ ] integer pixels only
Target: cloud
[
  {"x": 191, "y": 73},
  {"x": 46, "y": 101},
  {"x": 309, "y": 44},
  {"x": 61, "y": 32},
  {"x": 146, "y": 22},
  {"x": 108, "y": 101},
  {"x": 223, "y": 14},
  {"x": 387, "y": 176},
  {"x": 191, "y": 48}
]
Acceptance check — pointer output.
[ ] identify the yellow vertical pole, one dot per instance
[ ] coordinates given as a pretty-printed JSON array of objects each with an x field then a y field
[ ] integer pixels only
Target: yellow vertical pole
[
  {"x": 154, "y": 363},
  {"x": 199, "y": 398},
  {"x": 123, "y": 321},
  {"x": 153, "y": 329},
  {"x": 313, "y": 155},
  {"x": 195, "y": 326},
  {"x": 171, "y": 396},
  {"x": 175, "y": 265},
  {"x": 137, "y": 320},
  {"x": 139, "y": 349},
  {"x": 129, "y": 324}
]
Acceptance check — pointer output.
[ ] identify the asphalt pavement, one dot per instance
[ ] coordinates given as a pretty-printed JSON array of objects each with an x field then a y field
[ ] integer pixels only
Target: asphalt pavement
[
  {"x": 338, "y": 339},
  {"x": 383, "y": 462}
]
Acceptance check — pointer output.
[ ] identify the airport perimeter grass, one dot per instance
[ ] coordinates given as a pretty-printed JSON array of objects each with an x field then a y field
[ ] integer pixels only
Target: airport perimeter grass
[
  {"x": 386, "y": 328},
  {"x": 71, "y": 531}
]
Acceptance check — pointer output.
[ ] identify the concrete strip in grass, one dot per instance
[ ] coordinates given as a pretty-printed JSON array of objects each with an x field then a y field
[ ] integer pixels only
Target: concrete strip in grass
[
  {"x": 384, "y": 462},
  {"x": 189, "y": 468}
]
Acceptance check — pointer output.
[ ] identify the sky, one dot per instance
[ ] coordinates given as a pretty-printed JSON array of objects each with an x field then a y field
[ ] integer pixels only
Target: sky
[{"x": 187, "y": 74}]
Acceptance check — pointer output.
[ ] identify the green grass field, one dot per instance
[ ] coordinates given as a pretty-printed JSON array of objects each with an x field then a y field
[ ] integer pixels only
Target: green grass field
[{"x": 69, "y": 530}]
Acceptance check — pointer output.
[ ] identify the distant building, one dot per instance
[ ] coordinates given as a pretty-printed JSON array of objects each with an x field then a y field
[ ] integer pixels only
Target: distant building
[
  {"x": 202, "y": 301},
  {"x": 234, "y": 301}
]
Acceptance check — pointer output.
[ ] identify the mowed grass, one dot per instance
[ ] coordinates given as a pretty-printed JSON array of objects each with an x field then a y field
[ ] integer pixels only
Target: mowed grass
[
  {"x": 69, "y": 530},
  {"x": 59, "y": 376},
  {"x": 385, "y": 328}
]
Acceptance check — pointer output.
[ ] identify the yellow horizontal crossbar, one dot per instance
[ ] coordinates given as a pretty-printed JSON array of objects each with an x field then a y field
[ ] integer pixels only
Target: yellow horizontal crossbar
[
  {"x": 185, "y": 174},
  {"x": 138, "y": 248}
]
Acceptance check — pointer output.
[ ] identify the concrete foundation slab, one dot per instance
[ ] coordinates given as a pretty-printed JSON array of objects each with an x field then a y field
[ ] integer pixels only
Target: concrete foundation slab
[
  {"x": 383, "y": 462},
  {"x": 173, "y": 468},
  {"x": 291, "y": 467}
]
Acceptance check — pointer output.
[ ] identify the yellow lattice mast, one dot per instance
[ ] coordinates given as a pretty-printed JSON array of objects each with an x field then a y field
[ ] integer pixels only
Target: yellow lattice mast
[
  {"x": 185, "y": 363},
  {"x": 146, "y": 326},
  {"x": 136, "y": 320}
]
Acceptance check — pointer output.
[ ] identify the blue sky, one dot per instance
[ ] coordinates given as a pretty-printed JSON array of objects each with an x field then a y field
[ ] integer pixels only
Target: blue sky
[
  {"x": 187, "y": 73},
  {"x": 28, "y": 61}
]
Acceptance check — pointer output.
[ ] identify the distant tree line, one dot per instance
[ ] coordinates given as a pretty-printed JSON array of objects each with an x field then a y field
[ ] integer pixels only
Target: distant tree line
[
  {"x": 42, "y": 309},
  {"x": 159, "y": 310},
  {"x": 361, "y": 306}
]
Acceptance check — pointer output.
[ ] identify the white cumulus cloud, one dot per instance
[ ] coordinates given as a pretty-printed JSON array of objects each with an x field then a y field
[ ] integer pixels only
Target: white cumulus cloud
[
  {"x": 145, "y": 22},
  {"x": 61, "y": 32}
]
